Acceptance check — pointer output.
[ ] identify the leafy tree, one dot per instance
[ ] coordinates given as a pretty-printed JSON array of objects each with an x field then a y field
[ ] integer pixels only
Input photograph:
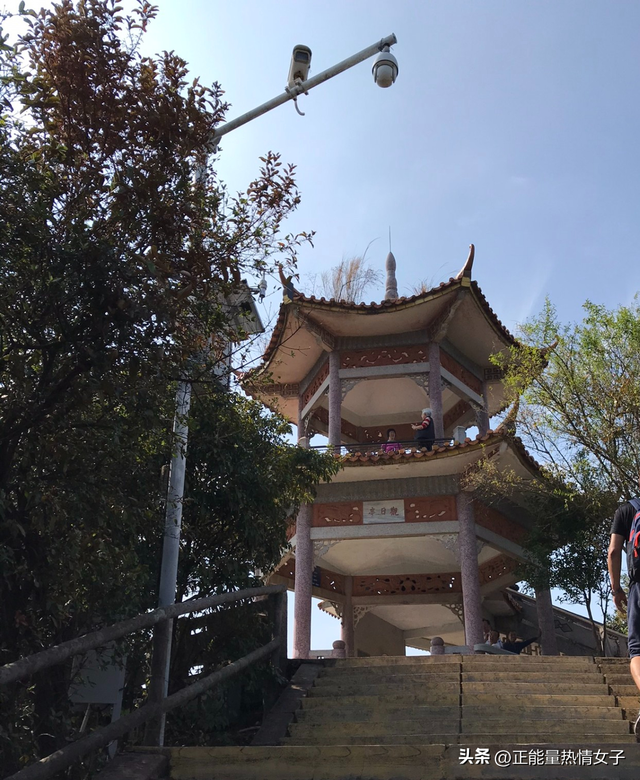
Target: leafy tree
[
  {"x": 117, "y": 261},
  {"x": 578, "y": 410}
]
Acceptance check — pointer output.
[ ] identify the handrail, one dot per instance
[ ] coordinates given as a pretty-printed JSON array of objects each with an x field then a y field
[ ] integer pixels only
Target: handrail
[
  {"x": 54, "y": 655},
  {"x": 63, "y": 758},
  {"x": 376, "y": 447}
]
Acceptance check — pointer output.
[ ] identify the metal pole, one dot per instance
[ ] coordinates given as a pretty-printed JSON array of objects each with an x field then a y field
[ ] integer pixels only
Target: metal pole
[
  {"x": 159, "y": 684},
  {"x": 305, "y": 86}
]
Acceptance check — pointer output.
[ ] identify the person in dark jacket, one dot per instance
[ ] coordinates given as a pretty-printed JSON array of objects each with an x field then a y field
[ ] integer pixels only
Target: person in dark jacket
[
  {"x": 513, "y": 646},
  {"x": 621, "y": 535},
  {"x": 425, "y": 431}
]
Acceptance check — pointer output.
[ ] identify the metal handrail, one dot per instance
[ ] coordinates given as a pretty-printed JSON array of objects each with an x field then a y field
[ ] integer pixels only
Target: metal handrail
[
  {"x": 376, "y": 447},
  {"x": 59, "y": 653},
  {"x": 63, "y": 758},
  {"x": 66, "y": 756}
]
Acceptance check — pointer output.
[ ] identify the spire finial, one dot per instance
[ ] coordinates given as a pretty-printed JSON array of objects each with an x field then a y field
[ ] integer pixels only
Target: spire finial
[{"x": 391, "y": 287}]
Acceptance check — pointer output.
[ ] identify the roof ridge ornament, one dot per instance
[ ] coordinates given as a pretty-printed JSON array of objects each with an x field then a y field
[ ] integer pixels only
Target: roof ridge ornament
[
  {"x": 288, "y": 290},
  {"x": 391, "y": 286},
  {"x": 465, "y": 271}
]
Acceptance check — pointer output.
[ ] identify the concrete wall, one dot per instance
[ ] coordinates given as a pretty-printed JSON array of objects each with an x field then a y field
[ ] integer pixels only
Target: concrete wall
[{"x": 375, "y": 636}]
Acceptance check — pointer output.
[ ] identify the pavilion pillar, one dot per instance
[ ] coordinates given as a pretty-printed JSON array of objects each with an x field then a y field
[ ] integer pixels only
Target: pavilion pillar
[
  {"x": 468, "y": 555},
  {"x": 348, "y": 628},
  {"x": 303, "y": 439},
  {"x": 435, "y": 389},
  {"x": 303, "y": 583},
  {"x": 544, "y": 607},
  {"x": 482, "y": 415},
  {"x": 335, "y": 399}
]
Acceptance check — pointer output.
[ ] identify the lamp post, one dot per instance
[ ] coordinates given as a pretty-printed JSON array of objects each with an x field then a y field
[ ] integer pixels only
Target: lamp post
[{"x": 385, "y": 71}]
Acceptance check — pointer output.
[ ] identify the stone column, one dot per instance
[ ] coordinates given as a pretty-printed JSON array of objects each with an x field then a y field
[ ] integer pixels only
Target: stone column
[
  {"x": 468, "y": 555},
  {"x": 435, "y": 389},
  {"x": 482, "y": 415},
  {"x": 544, "y": 608},
  {"x": 303, "y": 439},
  {"x": 348, "y": 629},
  {"x": 302, "y": 586},
  {"x": 335, "y": 399}
]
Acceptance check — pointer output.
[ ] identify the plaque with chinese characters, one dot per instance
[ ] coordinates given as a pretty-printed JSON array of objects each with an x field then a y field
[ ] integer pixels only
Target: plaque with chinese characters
[{"x": 383, "y": 511}]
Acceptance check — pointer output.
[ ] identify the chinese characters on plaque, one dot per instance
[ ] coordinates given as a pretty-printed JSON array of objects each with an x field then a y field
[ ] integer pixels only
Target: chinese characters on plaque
[{"x": 383, "y": 511}]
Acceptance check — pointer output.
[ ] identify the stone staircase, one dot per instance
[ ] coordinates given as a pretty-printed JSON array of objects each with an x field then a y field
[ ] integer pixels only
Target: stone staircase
[{"x": 446, "y": 717}]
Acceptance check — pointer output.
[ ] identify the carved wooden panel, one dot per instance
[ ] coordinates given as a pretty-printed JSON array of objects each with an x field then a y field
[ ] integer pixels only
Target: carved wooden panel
[
  {"x": 384, "y": 356},
  {"x": 455, "y": 413},
  {"x": 407, "y": 584},
  {"x": 319, "y": 378},
  {"x": 343, "y": 513},
  {"x": 287, "y": 569},
  {"x": 430, "y": 509},
  {"x": 496, "y": 568},
  {"x": 460, "y": 372},
  {"x": 329, "y": 580},
  {"x": 495, "y": 521},
  {"x": 493, "y": 374}
]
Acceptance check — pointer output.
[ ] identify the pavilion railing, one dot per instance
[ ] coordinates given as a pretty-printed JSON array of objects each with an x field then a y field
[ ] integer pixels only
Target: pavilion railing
[
  {"x": 380, "y": 448},
  {"x": 276, "y": 649}
]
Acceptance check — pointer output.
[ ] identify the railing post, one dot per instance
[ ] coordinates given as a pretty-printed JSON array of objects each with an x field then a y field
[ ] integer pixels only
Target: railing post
[
  {"x": 280, "y": 658},
  {"x": 154, "y": 731}
]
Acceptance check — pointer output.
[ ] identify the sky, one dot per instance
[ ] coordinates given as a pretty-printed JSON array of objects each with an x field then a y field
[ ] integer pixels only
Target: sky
[{"x": 512, "y": 125}]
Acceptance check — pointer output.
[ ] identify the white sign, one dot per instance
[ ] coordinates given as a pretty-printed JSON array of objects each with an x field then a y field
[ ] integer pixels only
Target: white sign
[{"x": 383, "y": 511}]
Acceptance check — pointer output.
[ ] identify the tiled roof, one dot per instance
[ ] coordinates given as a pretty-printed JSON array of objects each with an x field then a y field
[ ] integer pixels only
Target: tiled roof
[
  {"x": 399, "y": 303},
  {"x": 438, "y": 452}
]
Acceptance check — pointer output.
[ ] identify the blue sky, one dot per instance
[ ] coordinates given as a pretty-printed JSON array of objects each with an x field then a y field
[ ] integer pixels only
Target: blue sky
[{"x": 512, "y": 125}]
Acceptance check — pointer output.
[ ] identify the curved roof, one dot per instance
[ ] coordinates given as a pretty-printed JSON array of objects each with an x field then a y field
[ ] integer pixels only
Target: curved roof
[{"x": 332, "y": 312}]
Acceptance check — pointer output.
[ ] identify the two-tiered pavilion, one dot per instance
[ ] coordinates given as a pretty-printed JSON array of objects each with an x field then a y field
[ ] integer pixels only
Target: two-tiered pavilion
[{"x": 394, "y": 545}]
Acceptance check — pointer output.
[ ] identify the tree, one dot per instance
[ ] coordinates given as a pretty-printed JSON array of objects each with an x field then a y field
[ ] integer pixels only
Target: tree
[
  {"x": 578, "y": 410},
  {"x": 116, "y": 264},
  {"x": 349, "y": 280}
]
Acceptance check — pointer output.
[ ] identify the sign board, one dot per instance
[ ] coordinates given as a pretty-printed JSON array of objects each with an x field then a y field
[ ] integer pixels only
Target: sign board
[{"x": 383, "y": 511}]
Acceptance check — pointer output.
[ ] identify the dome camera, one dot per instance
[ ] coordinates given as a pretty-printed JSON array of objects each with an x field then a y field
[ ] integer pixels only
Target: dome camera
[{"x": 385, "y": 68}]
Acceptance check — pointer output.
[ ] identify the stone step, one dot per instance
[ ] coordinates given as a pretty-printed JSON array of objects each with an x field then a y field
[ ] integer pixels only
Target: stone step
[
  {"x": 630, "y": 704},
  {"x": 569, "y": 678},
  {"x": 617, "y": 678},
  {"x": 420, "y": 699},
  {"x": 564, "y": 661},
  {"x": 398, "y": 660},
  {"x": 534, "y": 687},
  {"x": 380, "y": 689},
  {"x": 540, "y": 738},
  {"x": 409, "y": 762},
  {"x": 536, "y": 699},
  {"x": 388, "y": 678},
  {"x": 530, "y": 727},
  {"x": 316, "y": 732},
  {"x": 446, "y": 671},
  {"x": 385, "y": 714},
  {"x": 625, "y": 690}
]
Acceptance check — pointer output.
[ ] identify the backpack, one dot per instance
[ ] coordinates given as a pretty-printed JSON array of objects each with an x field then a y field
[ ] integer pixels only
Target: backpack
[{"x": 633, "y": 544}]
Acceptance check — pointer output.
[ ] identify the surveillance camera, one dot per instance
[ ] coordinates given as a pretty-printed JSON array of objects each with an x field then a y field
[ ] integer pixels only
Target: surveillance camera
[
  {"x": 262, "y": 288},
  {"x": 300, "y": 64},
  {"x": 385, "y": 68}
]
